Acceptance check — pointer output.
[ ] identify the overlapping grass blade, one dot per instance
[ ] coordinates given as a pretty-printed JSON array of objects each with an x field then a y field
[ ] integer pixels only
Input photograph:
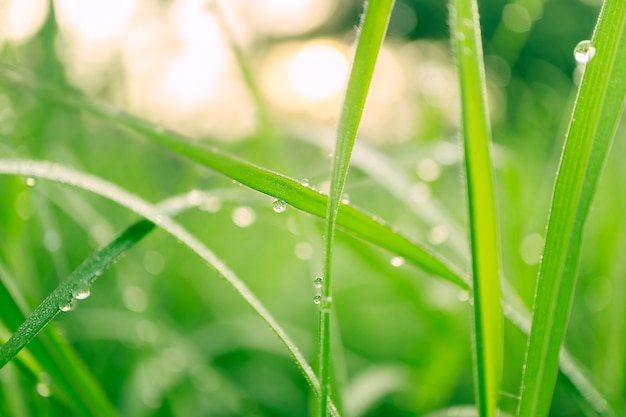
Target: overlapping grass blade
[
  {"x": 77, "y": 283},
  {"x": 481, "y": 205},
  {"x": 52, "y": 358},
  {"x": 593, "y": 124},
  {"x": 372, "y": 32},
  {"x": 153, "y": 214}
]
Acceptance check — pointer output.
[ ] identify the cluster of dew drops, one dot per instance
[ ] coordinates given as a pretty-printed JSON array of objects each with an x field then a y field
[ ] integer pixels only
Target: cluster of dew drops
[
  {"x": 79, "y": 295},
  {"x": 318, "y": 283}
]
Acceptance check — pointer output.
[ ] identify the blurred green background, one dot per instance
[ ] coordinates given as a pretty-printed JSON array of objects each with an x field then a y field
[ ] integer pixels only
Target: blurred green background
[{"x": 161, "y": 331}]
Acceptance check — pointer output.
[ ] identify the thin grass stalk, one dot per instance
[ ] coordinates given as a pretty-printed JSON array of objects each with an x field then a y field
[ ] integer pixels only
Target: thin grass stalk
[
  {"x": 488, "y": 337},
  {"x": 372, "y": 32}
]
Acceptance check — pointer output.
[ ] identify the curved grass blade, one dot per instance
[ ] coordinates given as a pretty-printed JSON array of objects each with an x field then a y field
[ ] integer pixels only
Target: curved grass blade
[
  {"x": 372, "y": 33},
  {"x": 56, "y": 172},
  {"x": 593, "y": 124},
  {"x": 351, "y": 219},
  {"x": 75, "y": 286},
  {"x": 481, "y": 204}
]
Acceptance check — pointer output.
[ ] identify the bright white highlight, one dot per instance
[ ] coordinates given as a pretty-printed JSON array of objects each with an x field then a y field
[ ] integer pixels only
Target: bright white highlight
[
  {"x": 318, "y": 71},
  {"x": 24, "y": 18},
  {"x": 94, "y": 20}
]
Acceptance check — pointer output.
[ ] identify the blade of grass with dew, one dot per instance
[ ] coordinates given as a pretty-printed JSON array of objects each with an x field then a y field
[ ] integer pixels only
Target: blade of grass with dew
[
  {"x": 257, "y": 178},
  {"x": 372, "y": 32},
  {"x": 61, "y": 174},
  {"x": 351, "y": 219},
  {"x": 76, "y": 286},
  {"x": 488, "y": 338},
  {"x": 596, "y": 114},
  {"x": 53, "y": 359}
]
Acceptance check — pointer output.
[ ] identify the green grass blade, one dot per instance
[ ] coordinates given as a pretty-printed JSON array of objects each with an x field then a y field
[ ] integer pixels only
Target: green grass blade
[
  {"x": 372, "y": 33},
  {"x": 482, "y": 210},
  {"x": 52, "y": 358},
  {"x": 49, "y": 359},
  {"x": 58, "y": 173},
  {"x": 596, "y": 113},
  {"x": 72, "y": 288}
]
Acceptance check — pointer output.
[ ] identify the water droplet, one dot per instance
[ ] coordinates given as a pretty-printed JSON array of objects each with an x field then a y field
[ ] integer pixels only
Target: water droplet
[
  {"x": 397, "y": 261},
  {"x": 304, "y": 182},
  {"x": 317, "y": 299},
  {"x": 584, "y": 52},
  {"x": 318, "y": 282},
  {"x": 345, "y": 198},
  {"x": 30, "y": 181},
  {"x": 279, "y": 206},
  {"x": 82, "y": 294},
  {"x": 67, "y": 307},
  {"x": 43, "y": 389}
]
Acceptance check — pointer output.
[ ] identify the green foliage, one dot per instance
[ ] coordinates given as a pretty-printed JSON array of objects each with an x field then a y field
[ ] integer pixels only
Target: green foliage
[
  {"x": 485, "y": 246},
  {"x": 160, "y": 335},
  {"x": 593, "y": 124}
]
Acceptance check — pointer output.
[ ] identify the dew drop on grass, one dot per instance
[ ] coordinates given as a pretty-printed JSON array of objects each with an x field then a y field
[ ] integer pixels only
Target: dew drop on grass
[
  {"x": 584, "y": 51},
  {"x": 304, "y": 182},
  {"x": 67, "y": 307},
  {"x": 279, "y": 206},
  {"x": 30, "y": 181},
  {"x": 317, "y": 299},
  {"x": 318, "y": 282},
  {"x": 82, "y": 294}
]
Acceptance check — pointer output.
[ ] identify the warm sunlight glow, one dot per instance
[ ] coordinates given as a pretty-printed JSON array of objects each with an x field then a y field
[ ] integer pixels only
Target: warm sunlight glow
[
  {"x": 194, "y": 71},
  {"x": 24, "y": 18},
  {"x": 318, "y": 71},
  {"x": 283, "y": 17},
  {"x": 95, "y": 19},
  {"x": 192, "y": 74}
]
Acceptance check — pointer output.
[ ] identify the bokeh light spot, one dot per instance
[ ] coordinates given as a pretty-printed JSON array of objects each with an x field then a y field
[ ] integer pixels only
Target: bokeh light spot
[{"x": 318, "y": 71}]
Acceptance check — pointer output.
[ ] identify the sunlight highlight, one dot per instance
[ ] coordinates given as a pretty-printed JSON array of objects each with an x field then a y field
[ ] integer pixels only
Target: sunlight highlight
[
  {"x": 24, "y": 18},
  {"x": 96, "y": 19},
  {"x": 318, "y": 71},
  {"x": 283, "y": 17}
]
